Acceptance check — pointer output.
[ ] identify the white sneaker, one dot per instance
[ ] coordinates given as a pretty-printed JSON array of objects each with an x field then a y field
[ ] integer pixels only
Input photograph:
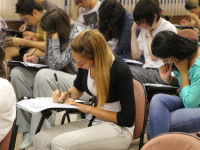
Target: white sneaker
[
  {"x": 26, "y": 142},
  {"x": 31, "y": 148}
]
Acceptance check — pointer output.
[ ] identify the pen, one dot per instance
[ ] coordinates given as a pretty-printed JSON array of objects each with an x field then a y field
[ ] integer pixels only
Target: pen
[
  {"x": 56, "y": 79},
  {"x": 14, "y": 36},
  {"x": 33, "y": 52},
  {"x": 57, "y": 84}
]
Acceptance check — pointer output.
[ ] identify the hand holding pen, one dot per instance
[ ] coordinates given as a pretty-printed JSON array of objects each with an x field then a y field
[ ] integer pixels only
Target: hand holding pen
[
  {"x": 28, "y": 57},
  {"x": 58, "y": 91}
]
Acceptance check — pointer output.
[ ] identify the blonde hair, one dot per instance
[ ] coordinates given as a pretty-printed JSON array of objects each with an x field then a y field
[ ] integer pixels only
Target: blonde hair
[
  {"x": 92, "y": 45},
  {"x": 39, "y": 1},
  {"x": 191, "y": 4}
]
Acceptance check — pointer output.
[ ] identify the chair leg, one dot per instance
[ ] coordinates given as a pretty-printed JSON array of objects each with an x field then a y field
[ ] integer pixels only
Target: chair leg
[
  {"x": 141, "y": 141},
  {"x": 64, "y": 116}
]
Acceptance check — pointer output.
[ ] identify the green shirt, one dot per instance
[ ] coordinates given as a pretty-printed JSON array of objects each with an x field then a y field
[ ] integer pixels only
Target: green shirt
[{"x": 190, "y": 94}]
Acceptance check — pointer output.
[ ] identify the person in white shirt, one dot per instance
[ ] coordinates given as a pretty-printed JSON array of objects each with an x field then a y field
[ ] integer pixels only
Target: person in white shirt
[
  {"x": 7, "y": 102},
  {"x": 150, "y": 22},
  {"x": 89, "y": 13}
]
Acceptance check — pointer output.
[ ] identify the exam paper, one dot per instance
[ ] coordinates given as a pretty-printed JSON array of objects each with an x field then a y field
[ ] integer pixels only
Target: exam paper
[{"x": 35, "y": 105}]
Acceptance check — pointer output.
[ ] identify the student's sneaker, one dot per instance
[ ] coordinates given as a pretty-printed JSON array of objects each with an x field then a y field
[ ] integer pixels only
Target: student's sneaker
[{"x": 26, "y": 141}]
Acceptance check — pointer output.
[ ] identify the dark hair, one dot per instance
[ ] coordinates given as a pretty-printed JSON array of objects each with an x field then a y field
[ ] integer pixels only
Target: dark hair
[
  {"x": 57, "y": 20},
  {"x": 2, "y": 68},
  {"x": 169, "y": 44},
  {"x": 111, "y": 14},
  {"x": 25, "y": 7},
  {"x": 145, "y": 11}
]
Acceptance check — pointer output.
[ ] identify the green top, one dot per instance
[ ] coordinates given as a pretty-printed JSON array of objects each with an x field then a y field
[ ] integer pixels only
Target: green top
[{"x": 190, "y": 94}]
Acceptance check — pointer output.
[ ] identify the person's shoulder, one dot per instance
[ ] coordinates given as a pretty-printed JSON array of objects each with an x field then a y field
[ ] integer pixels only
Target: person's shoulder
[
  {"x": 4, "y": 83},
  {"x": 77, "y": 28},
  {"x": 6, "y": 89},
  {"x": 119, "y": 65},
  {"x": 166, "y": 25}
]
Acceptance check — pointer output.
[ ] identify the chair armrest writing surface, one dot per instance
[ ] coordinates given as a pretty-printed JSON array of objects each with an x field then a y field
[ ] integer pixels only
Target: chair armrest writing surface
[
  {"x": 25, "y": 64},
  {"x": 159, "y": 88}
]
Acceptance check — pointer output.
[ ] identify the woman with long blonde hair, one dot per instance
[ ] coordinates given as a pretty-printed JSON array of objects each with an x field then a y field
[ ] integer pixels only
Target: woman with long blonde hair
[{"x": 111, "y": 115}]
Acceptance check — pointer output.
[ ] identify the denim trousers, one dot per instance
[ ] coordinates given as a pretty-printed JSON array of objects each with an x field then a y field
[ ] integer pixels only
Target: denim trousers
[{"x": 168, "y": 114}]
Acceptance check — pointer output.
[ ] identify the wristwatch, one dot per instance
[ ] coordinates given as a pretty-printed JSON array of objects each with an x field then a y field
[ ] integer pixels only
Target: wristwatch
[{"x": 148, "y": 35}]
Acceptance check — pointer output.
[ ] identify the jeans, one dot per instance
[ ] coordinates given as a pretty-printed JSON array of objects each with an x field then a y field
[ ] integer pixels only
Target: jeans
[{"x": 168, "y": 114}]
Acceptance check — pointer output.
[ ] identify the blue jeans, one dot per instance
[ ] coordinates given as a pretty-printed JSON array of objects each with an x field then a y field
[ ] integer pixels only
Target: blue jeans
[{"x": 168, "y": 114}]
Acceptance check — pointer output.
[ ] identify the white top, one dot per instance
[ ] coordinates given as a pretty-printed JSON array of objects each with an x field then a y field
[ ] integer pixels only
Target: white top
[
  {"x": 7, "y": 107},
  {"x": 90, "y": 17},
  {"x": 142, "y": 43},
  {"x": 114, "y": 107}
]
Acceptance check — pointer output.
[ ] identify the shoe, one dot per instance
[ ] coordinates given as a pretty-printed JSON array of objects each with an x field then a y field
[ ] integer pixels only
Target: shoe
[
  {"x": 31, "y": 148},
  {"x": 26, "y": 141}
]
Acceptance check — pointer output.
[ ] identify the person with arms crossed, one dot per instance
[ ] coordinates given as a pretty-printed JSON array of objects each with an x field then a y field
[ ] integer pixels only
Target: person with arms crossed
[
  {"x": 181, "y": 112},
  {"x": 111, "y": 119},
  {"x": 150, "y": 22}
]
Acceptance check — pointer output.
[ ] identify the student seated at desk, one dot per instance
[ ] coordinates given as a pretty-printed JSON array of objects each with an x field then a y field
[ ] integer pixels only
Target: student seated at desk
[
  {"x": 47, "y": 5},
  {"x": 115, "y": 24},
  {"x": 89, "y": 14},
  {"x": 111, "y": 119},
  {"x": 193, "y": 6},
  {"x": 7, "y": 102},
  {"x": 31, "y": 12},
  {"x": 29, "y": 81},
  {"x": 169, "y": 113},
  {"x": 147, "y": 16}
]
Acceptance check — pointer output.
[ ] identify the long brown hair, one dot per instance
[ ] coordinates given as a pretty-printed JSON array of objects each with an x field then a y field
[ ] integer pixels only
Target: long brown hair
[
  {"x": 91, "y": 44},
  {"x": 57, "y": 20}
]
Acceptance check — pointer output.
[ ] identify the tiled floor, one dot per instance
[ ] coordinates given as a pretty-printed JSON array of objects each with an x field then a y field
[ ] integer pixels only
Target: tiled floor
[{"x": 134, "y": 144}]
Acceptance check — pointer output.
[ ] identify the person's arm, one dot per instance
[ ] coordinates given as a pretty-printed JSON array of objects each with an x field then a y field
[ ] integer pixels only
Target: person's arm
[
  {"x": 26, "y": 43},
  {"x": 149, "y": 41},
  {"x": 190, "y": 93},
  {"x": 196, "y": 19},
  {"x": 75, "y": 12},
  {"x": 136, "y": 52},
  {"x": 75, "y": 92},
  {"x": 124, "y": 39},
  {"x": 60, "y": 59},
  {"x": 124, "y": 90},
  {"x": 190, "y": 87}
]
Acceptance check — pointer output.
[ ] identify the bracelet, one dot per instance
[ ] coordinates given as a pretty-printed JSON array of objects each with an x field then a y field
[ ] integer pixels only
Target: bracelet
[
  {"x": 70, "y": 94},
  {"x": 38, "y": 59}
]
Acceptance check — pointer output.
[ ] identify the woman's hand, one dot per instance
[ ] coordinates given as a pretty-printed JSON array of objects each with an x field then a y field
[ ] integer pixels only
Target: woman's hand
[
  {"x": 59, "y": 97},
  {"x": 83, "y": 108},
  {"x": 14, "y": 42},
  {"x": 165, "y": 72},
  {"x": 134, "y": 27},
  {"x": 182, "y": 65},
  {"x": 30, "y": 59}
]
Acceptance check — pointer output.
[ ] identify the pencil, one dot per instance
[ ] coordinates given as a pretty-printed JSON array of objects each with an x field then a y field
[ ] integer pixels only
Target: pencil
[{"x": 33, "y": 52}]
